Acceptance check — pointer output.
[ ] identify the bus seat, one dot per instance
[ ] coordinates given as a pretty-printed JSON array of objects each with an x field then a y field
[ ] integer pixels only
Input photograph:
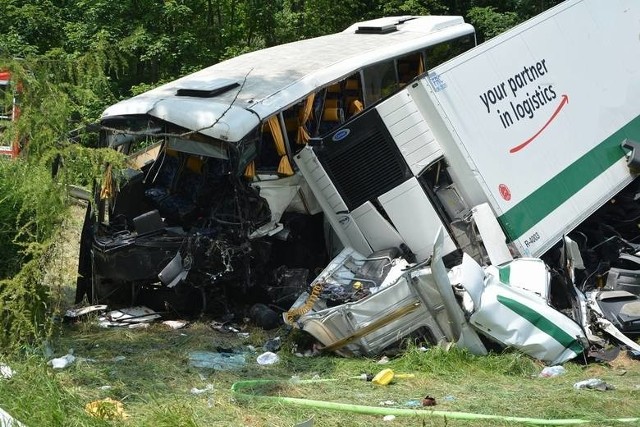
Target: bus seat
[
  {"x": 354, "y": 106},
  {"x": 352, "y": 84},
  {"x": 334, "y": 88},
  {"x": 353, "y": 96},
  {"x": 335, "y": 115},
  {"x": 331, "y": 118},
  {"x": 331, "y": 103}
]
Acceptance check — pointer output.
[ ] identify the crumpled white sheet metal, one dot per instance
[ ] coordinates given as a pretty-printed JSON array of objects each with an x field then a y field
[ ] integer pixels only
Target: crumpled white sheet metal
[
  {"x": 520, "y": 318},
  {"x": 507, "y": 303}
]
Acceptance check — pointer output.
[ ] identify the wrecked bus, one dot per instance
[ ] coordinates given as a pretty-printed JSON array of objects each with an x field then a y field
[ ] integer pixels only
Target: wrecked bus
[{"x": 216, "y": 213}]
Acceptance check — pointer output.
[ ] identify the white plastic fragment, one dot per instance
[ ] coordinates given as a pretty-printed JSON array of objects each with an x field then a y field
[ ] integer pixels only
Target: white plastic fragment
[
  {"x": 7, "y": 420},
  {"x": 594, "y": 384},
  {"x": 175, "y": 324},
  {"x": 383, "y": 360},
  {"x": 268, "y": 358},
  {"x": 199, "y": 391},
  {"x": 388, "y": 418},
  {"x": 138, "y": 326},
  {"x": 552, "y": 371},
  {"x": 83, "y": 311},
  {"x": 6, "y": 371},
  {"x": 131, "y": 317},
  {"x": 62, "y": 362}
]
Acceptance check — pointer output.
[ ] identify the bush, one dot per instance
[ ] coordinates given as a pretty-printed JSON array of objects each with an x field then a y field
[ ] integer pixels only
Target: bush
[{"x": 32, "y": 207}]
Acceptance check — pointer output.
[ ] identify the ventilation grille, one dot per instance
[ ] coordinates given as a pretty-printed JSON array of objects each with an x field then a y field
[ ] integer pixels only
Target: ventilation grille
[{"x": 366, "y": 163}]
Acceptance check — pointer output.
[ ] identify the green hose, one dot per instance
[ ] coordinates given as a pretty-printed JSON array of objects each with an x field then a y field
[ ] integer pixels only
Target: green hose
[{"x": 374, "y": 410}]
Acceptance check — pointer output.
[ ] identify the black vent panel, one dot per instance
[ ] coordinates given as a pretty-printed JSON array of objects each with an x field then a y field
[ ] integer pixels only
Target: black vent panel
[{"x": 362, "y": 159}]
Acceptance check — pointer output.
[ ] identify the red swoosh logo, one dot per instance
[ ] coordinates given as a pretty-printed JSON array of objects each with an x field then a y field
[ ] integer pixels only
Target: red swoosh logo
[{"x": 563, "y": 102}]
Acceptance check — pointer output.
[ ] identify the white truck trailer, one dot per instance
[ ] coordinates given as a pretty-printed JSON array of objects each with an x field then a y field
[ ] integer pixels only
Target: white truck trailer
[{"x": 528, "y": 127}]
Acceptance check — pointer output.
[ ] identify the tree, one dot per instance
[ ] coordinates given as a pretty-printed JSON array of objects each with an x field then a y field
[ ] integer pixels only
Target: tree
[{"x": 489, "y": 22}]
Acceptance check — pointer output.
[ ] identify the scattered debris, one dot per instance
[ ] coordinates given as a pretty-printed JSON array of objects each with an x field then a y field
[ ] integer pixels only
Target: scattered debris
[
  {"x": 128, "y": 317},
  {"x": 264, "y": 317},
  {"x": 268, "y": 358},
  {"x": 387, "y": 403},
  {"x": 106, "y": 409},
  {"x": 413, "y": 403},
  {"x": 62, "y": 362},
  {"x": 365, "y": 377},
  {"x": 273, "y": 344},
  {"x": 137, "y": 326},
  {"x": 175, "y": 324},
  {"x": 383, "y": 361},
  {"x": 383, "y": 377},
  {"x": 593, "y": 384},
  {"x": 219, "y": 361},
  {"x": 198, "y": 391},
  {"x": 388, "y": 418},
  {"x": 429, "y": 401},
  {"x": 552, "y": 371},
  {"x": 76, "y": 313},
  {"x": 7, "y": 420},
  {"x": 225, "y": 327},
  {"x": 307, "y": 423},
  {"x": 6, "y": 371}
]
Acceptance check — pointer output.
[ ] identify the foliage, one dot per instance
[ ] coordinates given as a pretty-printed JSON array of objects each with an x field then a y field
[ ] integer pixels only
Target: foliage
[
  {"x": 147, "y": 42},
  {"x": 58, "y": 90},
  {"x": 489, "y": 23},
  {"x": 31, "y": 209}
]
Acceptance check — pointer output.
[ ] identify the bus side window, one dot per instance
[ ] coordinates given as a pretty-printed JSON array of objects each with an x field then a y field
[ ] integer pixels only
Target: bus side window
[
  {"x": 292, "y": 122},
  {"x": 409, "y": 67},
  {"x": 379, "y": 81},
  {"x": 444, "y": 51},
  {"x": 268, "y": 158}
]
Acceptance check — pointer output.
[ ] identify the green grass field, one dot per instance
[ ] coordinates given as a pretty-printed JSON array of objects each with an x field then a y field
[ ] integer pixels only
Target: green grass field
[{"x": 149, "y": 372}]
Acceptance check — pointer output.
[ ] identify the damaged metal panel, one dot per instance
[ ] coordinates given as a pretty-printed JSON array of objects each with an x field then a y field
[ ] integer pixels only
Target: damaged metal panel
[
  {"x": 517, "y": 318},
  {"x": 409, "y": 307}
]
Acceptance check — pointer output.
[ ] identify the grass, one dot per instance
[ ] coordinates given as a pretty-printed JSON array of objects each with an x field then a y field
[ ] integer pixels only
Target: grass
[
  {"x": 154, "y": 382},
  {"x": 148, "y": 371}
]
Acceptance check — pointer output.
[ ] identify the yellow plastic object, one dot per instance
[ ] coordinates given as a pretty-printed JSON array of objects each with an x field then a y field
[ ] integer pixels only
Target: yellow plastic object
[{"x": 383, "y": 377}]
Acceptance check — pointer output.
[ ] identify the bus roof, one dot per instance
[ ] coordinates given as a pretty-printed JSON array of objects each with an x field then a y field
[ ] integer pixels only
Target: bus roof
[{"x": 251, "y": 87}]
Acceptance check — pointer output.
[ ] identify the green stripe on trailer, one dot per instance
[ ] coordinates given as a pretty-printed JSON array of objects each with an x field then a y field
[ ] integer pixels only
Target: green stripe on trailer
[
  {"x": 522, "y": 217},
  {"x": 542, "y": 323}
]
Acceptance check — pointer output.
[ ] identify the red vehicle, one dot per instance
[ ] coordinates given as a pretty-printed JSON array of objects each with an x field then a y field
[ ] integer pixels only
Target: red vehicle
[{"x": 9, "y": 111}]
